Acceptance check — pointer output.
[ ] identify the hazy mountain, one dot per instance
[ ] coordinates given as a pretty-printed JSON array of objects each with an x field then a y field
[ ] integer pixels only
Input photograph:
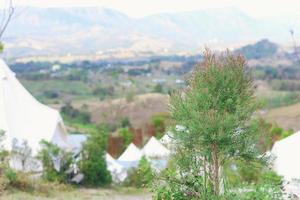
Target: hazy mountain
[
  {"x": 43, "y": 31},
  {"x": 261, "y": 49}
]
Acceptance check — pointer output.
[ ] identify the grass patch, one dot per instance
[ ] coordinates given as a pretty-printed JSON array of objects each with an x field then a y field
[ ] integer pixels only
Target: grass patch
[{"x": 77, "y": 89}]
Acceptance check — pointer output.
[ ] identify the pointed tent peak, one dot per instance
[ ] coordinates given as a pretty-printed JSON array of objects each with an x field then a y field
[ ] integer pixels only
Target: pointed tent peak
[
  {"x": 154, "y": 149},
  {"x": 166, "y": 139},
  {"x": 5, "y": 71},
  {"x": 132, "y": 153},
  {"x": 22, "y": 117}
]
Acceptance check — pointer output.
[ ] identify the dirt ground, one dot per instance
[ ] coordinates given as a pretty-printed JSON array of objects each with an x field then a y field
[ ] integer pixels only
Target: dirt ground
[{"x": 83, "y": 194}]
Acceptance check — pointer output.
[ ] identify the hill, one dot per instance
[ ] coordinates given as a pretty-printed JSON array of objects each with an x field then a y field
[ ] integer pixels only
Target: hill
[
  {"x": 261, "y": 49},
  {"x": 64, "y": 31},
  {"x": 139, "y": 111}
]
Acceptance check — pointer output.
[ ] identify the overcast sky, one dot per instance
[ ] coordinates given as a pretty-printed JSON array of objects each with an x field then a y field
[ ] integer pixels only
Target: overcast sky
[{"x": 138, "y": 8}]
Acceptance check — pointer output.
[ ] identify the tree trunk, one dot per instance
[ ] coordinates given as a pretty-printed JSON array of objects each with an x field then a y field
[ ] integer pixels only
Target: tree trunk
[{"x": 216, "y": 170}]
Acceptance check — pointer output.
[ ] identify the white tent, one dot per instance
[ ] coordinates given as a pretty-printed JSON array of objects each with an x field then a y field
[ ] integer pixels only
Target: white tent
[
  {"x": 23, "y": 118},
  {"x": 284, "y": 161},
  {"x": 130, "y": 157},
  {"x": 76, "y": 141},
  {"x": 167, "y": 140},
  {"x": 154, "y": 149},
  {"x": 117, "y": 171}
]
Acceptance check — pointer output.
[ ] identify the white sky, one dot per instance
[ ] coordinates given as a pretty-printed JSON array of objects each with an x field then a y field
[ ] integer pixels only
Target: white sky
[{"x": 137, "y": 8}]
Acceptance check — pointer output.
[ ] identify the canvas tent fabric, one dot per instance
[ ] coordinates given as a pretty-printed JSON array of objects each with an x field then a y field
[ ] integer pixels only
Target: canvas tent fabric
[
  {"x": 166, "y": 139},
  {"x": 284, "y": 163},
  {"x": 22, "y": 117},
  {"x": 132, "y": 153},
  {"x": 154, "y": 149},
  {"x": 130, "y": 157},
  {"x": 117, "y": 171},
  {"x": 76, "y": 141}
]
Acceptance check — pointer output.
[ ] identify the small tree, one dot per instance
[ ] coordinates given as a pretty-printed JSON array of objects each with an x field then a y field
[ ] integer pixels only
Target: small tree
[
  {"x": 142, "y": 176},
  {"x": 216, "y": 111},
  {"x": 126, "y": 135},
  {"x": 21, "y": 150},
  {"x": 55, "y": 161},
  {"x": 93, "y": 163}
]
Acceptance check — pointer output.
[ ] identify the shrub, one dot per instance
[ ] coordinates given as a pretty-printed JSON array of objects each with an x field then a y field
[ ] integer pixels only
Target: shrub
[
  {"x": 130, "y": 96},
  {"x": 93, "y": 163},
  {"x": 103, "y": 92},
  {"x": 159, "y": 124},
  {"x": 125, "y": 123},
  {"x": 158, "y": 88},
  {"x": 49, "y": 154},
  {"x": 126, "y": 135},
  {"x": 142, "y": 176},
  {"x": 75, "y": 115},
  {"x": 51, "y": 94}
]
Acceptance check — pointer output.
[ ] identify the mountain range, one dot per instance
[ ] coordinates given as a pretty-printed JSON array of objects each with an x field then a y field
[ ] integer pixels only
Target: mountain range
[{"x": 90, "y": 30}]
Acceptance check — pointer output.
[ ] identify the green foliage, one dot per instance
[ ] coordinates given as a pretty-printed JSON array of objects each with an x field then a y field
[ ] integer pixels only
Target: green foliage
[
  {"x": 125, "y": 123},
  {"x": 261, "y": 49},
  {"x": 11, "y": 175},
  {"x": 77, "y": 75},
  {"x": 3, "y": 152},
  {"x": 159, "y": 123},
  {"x": 267, "y": 187},
  {"x": 103, "y": 92},
  {"x": 216, "y": 113},
  {"x": 1, "y": 47},
  {"x": 93, "y": 164},
  {"x": 281, "y": 99},
  {"x": 51, "y": 94},
  {"x": 75, "y": 115},
  {"x": 130, "y": 95},
  {"x": 269, "y": 133},
  {"x": 142, "y": 176},
  {"x": 158, "y": 88},
  {"x": 126, "y": 135},
  {"x": 47, "y": 155}
]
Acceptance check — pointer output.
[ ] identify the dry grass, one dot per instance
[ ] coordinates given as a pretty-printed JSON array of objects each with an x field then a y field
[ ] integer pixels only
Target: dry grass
[
  {"x": 139, "y": 111},
  {"x": 83, "y": 194},
  {"x": 286, "y": 117}
]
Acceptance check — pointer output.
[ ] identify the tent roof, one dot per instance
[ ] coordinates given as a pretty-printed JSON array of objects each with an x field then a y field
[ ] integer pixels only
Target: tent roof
[
  {"x": 22, "y": 117},
  {"x": 166, "y": 139},
  {"x": 155, "y": 149},
  {"x": 117, "y": 171},
  {"x": 112, "y": 164},
  {"x": 283, "y": 153},
  {"x": 132, "y": 153}
]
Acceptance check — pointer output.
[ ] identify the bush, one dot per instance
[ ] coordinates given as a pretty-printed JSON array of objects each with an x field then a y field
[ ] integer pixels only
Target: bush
[
  {"x": 159, "y": 122},
  {"x": 47, "y": 155},
  {"x": 142, "y": 176},
  {"x": 103, "y": 92},
  {"x": 158, "y": 88},
  {"x": 51, "y": 94},
  {"x": 93, "y": 163},
  {"x": 125, "y": 123},
  {"x": 126, "y": 135},
  {"x": 75, "y": 115},
  {"x": 130, "y": 96}
]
